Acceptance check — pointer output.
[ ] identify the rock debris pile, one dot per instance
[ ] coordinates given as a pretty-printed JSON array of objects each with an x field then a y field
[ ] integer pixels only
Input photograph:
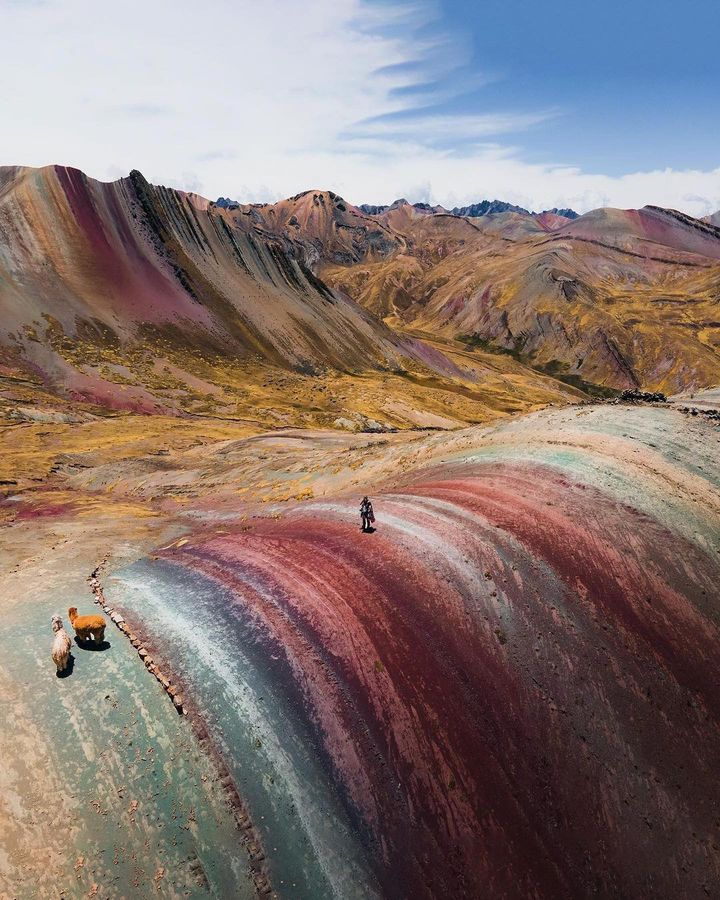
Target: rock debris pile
[{"x": 636, "y": 396}]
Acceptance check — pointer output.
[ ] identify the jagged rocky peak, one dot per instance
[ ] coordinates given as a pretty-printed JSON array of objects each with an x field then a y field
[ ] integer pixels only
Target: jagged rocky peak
[
  {"x": 565, "y": 212},
  {"x": 426, "y": 207},
  {"x": 227, "y": 203},
  {"x": 487, "y": 207},
  {"x": 374, "y": 210},
  {"x": 490, "y": 207}
]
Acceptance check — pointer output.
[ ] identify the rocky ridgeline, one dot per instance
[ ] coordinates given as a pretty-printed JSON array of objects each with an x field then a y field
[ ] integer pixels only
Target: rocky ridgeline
[
  {"x": 473, "y": 210},
  {"x": 170, "y": 689}
]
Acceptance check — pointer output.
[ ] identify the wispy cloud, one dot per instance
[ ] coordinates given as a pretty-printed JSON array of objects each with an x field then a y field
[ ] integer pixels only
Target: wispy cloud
[
  {"x": 440, "y": 129},
  {"x": 460, "y": 84}
]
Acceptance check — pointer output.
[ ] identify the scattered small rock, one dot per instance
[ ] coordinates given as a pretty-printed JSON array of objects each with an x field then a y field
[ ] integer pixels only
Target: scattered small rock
[{"x": 712, "y": 415}]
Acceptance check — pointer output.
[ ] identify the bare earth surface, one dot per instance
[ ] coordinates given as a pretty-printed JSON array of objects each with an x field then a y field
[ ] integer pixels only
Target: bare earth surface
[{"x": 541, "y": 589}]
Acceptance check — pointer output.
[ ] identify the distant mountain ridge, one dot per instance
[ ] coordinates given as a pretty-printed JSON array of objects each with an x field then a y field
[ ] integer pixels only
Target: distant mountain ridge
[
  {"x": 474, "y": 210},
  {"x": 226, "y": 203}
]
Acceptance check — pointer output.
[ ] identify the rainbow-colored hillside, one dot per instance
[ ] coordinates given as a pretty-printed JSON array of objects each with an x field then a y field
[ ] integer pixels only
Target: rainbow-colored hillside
[{"x": 509, "y": 689}]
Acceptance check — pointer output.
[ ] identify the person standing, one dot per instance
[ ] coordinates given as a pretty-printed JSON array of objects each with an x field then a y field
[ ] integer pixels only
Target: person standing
[{"x": 367, "y": 515}]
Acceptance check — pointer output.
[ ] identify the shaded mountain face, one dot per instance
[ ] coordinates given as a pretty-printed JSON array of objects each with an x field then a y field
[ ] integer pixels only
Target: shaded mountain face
[
  {"x": 136, "y": 297},
  {"x": 112, "y": 264}
]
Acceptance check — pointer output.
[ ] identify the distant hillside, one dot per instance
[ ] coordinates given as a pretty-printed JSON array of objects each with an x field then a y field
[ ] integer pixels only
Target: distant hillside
[
  {"x": 613, "y": 298},
  {"x": 617, "y": 298}
]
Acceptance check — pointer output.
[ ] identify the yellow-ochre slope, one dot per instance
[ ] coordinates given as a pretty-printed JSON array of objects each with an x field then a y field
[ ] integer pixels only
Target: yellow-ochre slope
[{"x": 620, "y": 298}]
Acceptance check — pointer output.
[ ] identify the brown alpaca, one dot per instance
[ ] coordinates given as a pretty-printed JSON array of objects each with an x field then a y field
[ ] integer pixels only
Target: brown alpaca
[{"x": 87, "y": 625}]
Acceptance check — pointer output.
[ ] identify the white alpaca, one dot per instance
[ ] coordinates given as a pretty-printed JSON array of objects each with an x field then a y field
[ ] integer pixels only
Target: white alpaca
[{"x": 61, "y": 645}]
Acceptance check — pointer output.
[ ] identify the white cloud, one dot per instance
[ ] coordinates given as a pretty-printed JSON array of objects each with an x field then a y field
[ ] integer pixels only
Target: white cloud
[
  {"x": 262, "y": 100},
  {"x": 443, "y": 128}
]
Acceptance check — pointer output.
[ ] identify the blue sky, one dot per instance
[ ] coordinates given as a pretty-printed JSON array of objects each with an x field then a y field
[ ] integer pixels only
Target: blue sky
[
  {"x": 635, "y": 84},
  {"x": 543, "y": 104}
]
